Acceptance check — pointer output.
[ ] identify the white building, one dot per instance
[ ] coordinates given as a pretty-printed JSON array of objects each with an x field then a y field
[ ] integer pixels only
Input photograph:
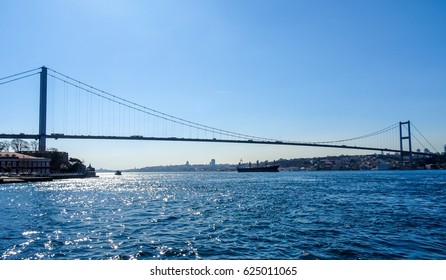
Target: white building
[{"x": 23, "y": 164}]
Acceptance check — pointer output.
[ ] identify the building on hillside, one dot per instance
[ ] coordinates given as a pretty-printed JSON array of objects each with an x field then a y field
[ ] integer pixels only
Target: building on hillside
[{"x": 23, "y": 164}]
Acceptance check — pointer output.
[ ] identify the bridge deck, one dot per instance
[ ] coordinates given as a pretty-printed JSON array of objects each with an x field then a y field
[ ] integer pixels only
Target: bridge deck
[{"x": 213, "y": 140}]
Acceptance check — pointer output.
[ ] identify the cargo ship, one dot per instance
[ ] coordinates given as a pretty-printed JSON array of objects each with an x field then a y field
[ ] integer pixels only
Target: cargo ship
[{"x": 248, "y": 168}]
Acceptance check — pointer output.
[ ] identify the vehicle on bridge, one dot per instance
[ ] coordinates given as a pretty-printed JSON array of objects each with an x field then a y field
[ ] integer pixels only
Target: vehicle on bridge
[{"x": 57, "y": 135}]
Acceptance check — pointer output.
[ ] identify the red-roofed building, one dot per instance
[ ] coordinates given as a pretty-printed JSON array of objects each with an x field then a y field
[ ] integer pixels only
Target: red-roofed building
[{"x": 23, "y": 164}]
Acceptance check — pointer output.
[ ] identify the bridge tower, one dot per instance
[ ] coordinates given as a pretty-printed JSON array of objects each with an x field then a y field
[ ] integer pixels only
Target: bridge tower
[
  {"x": 409, "y": 139},
  {"x": 42, "y": 111}
]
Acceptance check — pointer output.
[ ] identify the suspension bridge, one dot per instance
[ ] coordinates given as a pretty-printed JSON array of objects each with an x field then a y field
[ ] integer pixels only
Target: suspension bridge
[{"x": 71, "y": 109}]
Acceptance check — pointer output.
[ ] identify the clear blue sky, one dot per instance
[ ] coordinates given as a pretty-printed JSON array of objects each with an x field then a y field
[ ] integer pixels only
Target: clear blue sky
[{"x": 293, "y": 70}]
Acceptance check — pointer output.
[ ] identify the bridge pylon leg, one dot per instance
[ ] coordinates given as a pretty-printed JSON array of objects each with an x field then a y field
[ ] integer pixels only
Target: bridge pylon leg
[
  {"x": 409, "y": 139},
  {"x": 42, "y": 111}
]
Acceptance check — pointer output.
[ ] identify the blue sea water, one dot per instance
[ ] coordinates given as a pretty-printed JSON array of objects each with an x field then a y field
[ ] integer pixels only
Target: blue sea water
[{"x": 227, "y": 215}]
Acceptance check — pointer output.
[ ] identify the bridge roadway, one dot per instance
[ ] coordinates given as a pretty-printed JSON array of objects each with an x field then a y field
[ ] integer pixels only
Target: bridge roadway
[{"x": 213, "y": 140}]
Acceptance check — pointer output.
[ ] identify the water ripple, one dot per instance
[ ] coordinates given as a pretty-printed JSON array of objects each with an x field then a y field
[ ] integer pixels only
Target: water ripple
[{"x": 289, "y": 215}]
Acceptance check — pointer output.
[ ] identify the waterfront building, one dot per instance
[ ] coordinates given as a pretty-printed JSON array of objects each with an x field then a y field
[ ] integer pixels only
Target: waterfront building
[
  {"x": 24, "y": 164},
  {"x": 90, "y": 171}
]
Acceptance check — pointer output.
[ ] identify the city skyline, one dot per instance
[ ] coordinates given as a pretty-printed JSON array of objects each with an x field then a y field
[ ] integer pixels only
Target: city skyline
[{"x": 304, "y": 71}]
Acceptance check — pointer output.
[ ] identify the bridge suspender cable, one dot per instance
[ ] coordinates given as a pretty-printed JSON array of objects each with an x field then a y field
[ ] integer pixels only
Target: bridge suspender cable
[
  {"x": 363, "y": 136},
  {"x": 153, "y": 112}
]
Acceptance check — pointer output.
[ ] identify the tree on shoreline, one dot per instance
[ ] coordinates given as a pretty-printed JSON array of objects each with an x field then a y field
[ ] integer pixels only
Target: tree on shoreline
[
  {"x": 4, "y": 146},
  {"x": 34, "y": 145},
  {"x": 19, "y": 145}
]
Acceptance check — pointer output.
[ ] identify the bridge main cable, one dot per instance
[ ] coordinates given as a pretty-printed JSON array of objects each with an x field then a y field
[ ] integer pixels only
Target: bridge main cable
[
  {"x": 427, "y": 141},
  {"x": 19, "y": 78},
  {"x": 153, "y": 112},
  {"x": 363, "y": 136}
]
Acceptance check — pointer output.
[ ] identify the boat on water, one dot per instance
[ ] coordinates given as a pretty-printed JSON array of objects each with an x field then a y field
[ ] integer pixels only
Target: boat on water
[
  {"x": 257, "y": 168},
  {"x": 118, "y": 172},
  {"x": 271, "y": 168}
]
